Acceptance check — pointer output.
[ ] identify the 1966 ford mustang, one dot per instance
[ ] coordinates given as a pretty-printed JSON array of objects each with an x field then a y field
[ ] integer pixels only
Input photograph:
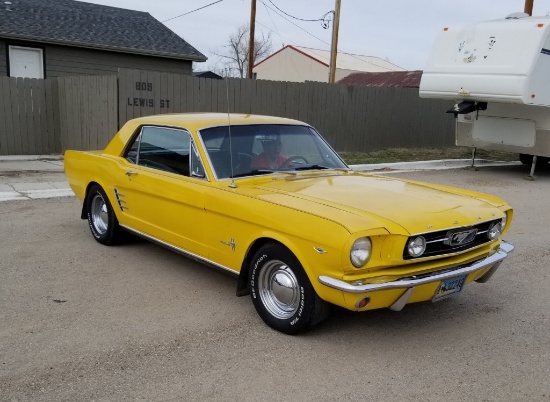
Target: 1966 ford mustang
[{"x": 267, "y": 199}]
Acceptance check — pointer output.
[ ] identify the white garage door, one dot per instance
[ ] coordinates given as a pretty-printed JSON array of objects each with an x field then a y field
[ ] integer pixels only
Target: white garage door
[{"x": 26, "y": 62}]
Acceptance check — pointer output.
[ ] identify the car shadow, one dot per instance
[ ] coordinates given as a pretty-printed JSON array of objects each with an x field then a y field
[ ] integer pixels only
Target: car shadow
[
  {"x": 519, "y": 170},
  {"x": 378, "y": 326},
  {"x": 415, "y": 320}
]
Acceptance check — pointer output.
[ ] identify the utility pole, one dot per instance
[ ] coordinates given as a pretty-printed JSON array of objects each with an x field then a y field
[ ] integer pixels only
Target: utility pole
[
  {"x": 334, "y": 45},
  {"x": 251, "y": 40},
  {"x": 528, "y": 7}
]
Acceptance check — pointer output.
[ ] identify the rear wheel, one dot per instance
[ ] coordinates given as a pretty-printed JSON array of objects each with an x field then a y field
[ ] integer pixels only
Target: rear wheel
[
  {"x": 101, "y": 217},
  {"x": 282, "y": 293}
]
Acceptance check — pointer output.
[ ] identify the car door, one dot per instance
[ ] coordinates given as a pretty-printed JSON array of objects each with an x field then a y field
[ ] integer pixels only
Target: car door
[{"x": 162, "y": 192}]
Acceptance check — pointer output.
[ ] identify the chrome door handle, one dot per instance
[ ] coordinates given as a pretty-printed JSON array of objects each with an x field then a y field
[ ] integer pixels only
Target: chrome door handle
[{"x": 130, "y": 173}]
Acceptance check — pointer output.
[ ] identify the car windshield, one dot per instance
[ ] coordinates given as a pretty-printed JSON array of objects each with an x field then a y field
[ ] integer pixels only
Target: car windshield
[{"x": 267, "y": 148}]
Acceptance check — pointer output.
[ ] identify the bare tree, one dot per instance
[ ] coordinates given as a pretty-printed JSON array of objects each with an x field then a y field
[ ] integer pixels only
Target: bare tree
[{"x": 236, "y": 51}]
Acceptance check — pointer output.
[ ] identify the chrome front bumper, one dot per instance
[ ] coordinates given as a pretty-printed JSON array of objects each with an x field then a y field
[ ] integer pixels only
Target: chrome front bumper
[{"x": 494, "y": 260}]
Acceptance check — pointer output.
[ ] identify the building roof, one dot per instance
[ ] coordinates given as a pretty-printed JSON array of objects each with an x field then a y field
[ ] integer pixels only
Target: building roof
[
  {"x": 344, "y": 61},
  {"x": 75, "y": 23},
  {"x": 405, "y": 79},
  {"x": 207, "y": 74}
]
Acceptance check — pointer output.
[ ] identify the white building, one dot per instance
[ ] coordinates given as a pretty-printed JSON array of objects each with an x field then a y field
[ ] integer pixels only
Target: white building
[{"x": 299, "y": 64}]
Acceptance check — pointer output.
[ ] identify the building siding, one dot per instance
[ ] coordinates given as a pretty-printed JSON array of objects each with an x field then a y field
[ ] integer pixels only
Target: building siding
[
  {"x": 66, "y": 61},
  {"x": 294, "y": 67},
  {"x": 297, "y": 64},
  {"x": 3, "y": 61},
  {"x": 289, "y": 65}
]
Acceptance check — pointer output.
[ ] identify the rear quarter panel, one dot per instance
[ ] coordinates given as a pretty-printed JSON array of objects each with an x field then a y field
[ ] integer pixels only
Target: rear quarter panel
[{"x": 85, "y": 167}]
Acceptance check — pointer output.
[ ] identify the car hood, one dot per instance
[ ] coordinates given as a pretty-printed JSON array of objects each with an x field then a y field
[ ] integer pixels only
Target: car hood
[{"x": 353, "y": 198}]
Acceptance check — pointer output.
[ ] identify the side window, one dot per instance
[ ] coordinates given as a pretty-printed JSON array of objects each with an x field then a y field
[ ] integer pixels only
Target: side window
[
  {"x": 197, "y": 170},
  {"x": 166, "y": 149},
  {"x": 132, "y": 153}
]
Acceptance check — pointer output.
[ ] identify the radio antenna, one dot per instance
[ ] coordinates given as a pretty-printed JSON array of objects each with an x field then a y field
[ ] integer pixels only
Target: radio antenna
[{"x": 233, "y": 184}]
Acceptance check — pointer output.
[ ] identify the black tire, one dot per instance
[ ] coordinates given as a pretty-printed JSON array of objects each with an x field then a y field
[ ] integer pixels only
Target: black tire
[
  {"x": 528, "y": 159},
  {"x": 101, "y": 217},
  {"x": 282, "y": 293}
]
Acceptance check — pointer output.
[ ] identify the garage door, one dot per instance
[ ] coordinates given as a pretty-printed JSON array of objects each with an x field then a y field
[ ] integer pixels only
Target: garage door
[{"x": 26, "y": 62}]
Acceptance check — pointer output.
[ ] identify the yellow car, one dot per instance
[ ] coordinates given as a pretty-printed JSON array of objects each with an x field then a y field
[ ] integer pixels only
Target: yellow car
[{"x": 267, "y": 199}]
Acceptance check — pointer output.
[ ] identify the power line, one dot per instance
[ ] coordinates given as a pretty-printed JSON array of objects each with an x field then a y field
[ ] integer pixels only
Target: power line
[
  {"x": 326, "y": 43},
  {"x": 274, "y": 26},
  {"x": 197, "y": 9},
  {"x": 296, "y": 25},
  {"x": 296, "y": 18}
]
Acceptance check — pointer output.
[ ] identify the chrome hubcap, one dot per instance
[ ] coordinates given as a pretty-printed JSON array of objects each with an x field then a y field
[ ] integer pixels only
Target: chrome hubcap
[
  {"x": 99, "y": 215},
  {"x": 279, "y": 289}
]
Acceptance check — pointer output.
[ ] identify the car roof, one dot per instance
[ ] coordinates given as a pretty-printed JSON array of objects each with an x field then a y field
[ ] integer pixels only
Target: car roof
[
  {"x": 189, "y": 121},
  {"x": 197, "y": 121}
]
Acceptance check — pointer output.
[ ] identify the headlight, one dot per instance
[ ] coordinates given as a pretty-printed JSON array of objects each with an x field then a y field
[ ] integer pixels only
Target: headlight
[
  {"x": 360, "y": 252},
  {"x": 503, "y": 221},
  {"x": 416, "y": 246},
  {"x": 494, "y": 230}
]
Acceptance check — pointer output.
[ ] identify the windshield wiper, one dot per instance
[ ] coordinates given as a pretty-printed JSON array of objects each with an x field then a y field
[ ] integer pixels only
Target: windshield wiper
[
  {"x": 254, "y": 172},
  {"x": 257, "y": 172},
  {"x": 320, "y": 167},
  {"x": 311, "y": 167}
]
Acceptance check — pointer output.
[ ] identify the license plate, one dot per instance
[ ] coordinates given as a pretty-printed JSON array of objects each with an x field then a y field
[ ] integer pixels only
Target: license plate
[{"x": 449, "y": 287}]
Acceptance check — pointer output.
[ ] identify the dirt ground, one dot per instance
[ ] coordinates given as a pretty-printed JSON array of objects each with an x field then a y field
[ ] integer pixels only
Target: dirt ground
[{"x": 81, "y": 321}]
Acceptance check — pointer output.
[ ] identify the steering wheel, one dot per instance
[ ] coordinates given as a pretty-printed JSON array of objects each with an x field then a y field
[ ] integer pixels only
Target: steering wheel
[{"x": 298, "y": 160}]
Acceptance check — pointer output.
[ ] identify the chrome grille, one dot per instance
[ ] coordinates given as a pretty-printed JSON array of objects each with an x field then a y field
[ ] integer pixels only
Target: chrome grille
[{"x": 452, "y": 240}]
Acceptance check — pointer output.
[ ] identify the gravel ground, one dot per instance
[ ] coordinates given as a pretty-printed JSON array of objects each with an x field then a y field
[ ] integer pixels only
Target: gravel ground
[{"x": 80, "y": 321}]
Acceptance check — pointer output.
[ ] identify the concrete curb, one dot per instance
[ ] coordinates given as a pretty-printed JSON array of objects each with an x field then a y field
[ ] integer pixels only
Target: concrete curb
[
  {"x": 429, "y": 165},
  {"x": 35, "y": 194},
  {"x": 31, "y": 163},
  {"x": 10, "y": 158},
  {"x": 44, "y": 183},
  {"x": 52, "y": 163}
]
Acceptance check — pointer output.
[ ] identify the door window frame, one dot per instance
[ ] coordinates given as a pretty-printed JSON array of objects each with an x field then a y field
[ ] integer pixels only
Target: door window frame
[{"x": 193, "y": 156}]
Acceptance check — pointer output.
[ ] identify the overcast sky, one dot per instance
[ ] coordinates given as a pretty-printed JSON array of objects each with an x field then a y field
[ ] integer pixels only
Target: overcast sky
[{"x": 401, "y": 31}]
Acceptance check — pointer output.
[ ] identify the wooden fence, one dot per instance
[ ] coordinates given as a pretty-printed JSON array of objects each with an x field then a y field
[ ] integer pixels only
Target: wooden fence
[
  {"x": 358, "y": 119},
  {"x": 40, "y": 117},
  {"x": 27, "y": 117},
  {"x": 83, "y": 112},
  {"x": 88, "y": 106}
]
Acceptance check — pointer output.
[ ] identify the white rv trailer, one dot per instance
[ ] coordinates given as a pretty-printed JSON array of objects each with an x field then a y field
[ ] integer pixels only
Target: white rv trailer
[{"x": 498, "y": 73}]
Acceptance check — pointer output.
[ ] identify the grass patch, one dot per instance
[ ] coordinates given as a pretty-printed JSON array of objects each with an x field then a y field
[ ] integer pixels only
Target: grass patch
[{"x": 423, "y": 154}]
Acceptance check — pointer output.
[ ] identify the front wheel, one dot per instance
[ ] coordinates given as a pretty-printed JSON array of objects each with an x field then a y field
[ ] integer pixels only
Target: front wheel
[
  {"x": 282, "y": 293},
  {"x": 101, "y": 217}
]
